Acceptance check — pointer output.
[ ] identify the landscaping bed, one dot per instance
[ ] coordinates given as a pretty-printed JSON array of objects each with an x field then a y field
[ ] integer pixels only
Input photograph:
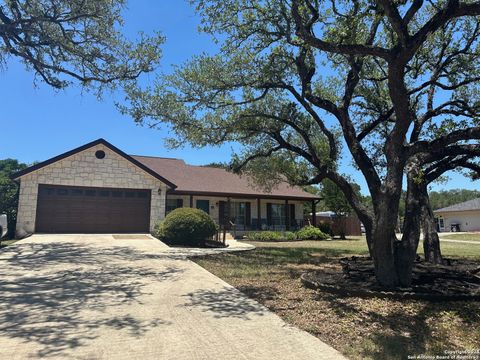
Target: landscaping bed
[
  {"x": 305, "y": 233},
  {"x": 458, "y": 280},
  {"x": 359, "y": 327}
]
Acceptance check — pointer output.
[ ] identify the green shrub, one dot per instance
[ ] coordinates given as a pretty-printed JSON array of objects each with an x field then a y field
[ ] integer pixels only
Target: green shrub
[
  {"x": 252, "y": 235},
  {"x": 326, "y": 228},
  {"x": 264, "y": 236},
  {"x": 186, "y": 226},
  {"x": 305, "y": 233},
  {"x": 271, "y": 236},
  {"x": 158, "y": 230},
  {"x": 311, "y": 233},
  {"x": 290, "y": 236}
]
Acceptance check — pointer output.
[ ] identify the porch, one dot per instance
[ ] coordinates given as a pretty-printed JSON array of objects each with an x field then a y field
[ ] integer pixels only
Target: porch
[{"x": 242, "y": 213}]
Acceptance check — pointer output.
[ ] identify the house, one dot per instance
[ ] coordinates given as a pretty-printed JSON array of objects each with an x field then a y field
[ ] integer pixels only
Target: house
[
  {"x": 97, "y": 188},
  {"x": 464, "y": 216}
]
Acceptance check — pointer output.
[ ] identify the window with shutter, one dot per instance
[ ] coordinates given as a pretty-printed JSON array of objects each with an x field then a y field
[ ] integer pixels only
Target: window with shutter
[
  {"x": 248, "y": 214},
  {"x": 293, "y": 222},
  {"x": 221, "y": 212},
  {"x": 269, "y": 214}
]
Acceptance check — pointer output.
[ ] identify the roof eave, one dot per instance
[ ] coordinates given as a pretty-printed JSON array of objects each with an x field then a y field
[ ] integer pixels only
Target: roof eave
[
  {"x": 457, "y": 210},
  {"x": 244, "y": 195}
]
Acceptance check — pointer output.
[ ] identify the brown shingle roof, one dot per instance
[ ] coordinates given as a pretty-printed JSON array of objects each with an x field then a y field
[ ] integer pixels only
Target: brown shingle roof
[
  {"x": 464, "y": 206},
  {"x": 187, "y": 178},
  {"x": 201, "y": 179}
]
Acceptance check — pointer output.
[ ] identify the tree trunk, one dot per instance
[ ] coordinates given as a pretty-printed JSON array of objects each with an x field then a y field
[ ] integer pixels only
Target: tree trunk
[
  {"x": 431, "y": 241},
  {"x": 342, "y": 222},
  {"x": 393, "y": 259},
  {"x": 406, "y": 249},
  {"x": 383, "y": 239}
]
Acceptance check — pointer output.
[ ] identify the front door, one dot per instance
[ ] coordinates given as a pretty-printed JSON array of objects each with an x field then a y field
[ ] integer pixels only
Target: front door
[{"x": 204, "y": 205}]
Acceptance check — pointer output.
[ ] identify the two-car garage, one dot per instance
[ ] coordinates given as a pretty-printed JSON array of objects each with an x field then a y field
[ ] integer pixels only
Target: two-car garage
[{"x": 67, "y": 209}]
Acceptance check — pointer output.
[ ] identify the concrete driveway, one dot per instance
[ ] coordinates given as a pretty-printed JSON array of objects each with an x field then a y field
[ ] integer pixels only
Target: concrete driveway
[{"x": 97, "y": 297}]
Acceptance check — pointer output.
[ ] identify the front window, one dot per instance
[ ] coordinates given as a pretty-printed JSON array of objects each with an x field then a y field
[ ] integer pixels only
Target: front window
[
  {"x": 173, "y": 204},
  {"x": 238, "y": 213},
  {"x": 442, "y": 224},
  {"x": 278, "y": 214}
]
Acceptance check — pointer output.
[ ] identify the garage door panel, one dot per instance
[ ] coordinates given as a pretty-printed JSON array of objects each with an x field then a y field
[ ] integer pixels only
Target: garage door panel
[{"x": 87, "y": 210}]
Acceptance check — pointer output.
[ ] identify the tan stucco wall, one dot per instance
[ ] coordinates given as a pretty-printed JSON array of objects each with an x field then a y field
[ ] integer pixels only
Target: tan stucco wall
[
  {"x": 253, "y": 205},
  {"x": 468, "y": 220},
  {"x": 84, "y": 169}
]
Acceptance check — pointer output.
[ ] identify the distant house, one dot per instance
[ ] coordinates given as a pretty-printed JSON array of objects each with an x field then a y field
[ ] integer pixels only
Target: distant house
[
  {"x": 459, "y": 217},
  {"x": 97, "y": 188}
]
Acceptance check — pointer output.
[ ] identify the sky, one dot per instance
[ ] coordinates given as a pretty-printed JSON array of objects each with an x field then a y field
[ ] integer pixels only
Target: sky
[{"x": 37, "y": 122}]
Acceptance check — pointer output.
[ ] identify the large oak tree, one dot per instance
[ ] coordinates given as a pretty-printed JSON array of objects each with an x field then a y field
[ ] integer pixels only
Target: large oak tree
[
  {"x": 74, "y": 40},
  {"x": 303, "y": 83}
]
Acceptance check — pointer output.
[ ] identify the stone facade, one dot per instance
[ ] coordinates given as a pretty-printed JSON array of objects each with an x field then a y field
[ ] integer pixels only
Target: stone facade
[{"x": 84, "y": 169}]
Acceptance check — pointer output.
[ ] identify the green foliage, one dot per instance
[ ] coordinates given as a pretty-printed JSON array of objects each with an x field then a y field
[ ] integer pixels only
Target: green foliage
[
  {"x": 186, "y": 226},
  {"x": 271, "y": 236},
  {"x": 395, "y": 82},
  {"x": 326, "y": 228},
  {"x": 265, "y": 236},
  {"x": 438, "y": 199},
  {"x": 9, "y": 192},
  {"x": 217, "y": 165},
  {"x": 444, "y": 198},
  {"x": 290, "y": 236},
  {"x": 334, "y": 200},
  {"x": 311, "y": 233},
  {"x": 158, "y": 230},
  {"x": 293, "y": 81},
  {"x": 305, "y": 233},
  {"x": 307, "y": 206},
  {"x": 75, "y": 40}
]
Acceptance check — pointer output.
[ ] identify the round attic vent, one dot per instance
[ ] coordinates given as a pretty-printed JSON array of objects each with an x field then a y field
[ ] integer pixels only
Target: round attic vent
[{"x": 100, "y": 154}]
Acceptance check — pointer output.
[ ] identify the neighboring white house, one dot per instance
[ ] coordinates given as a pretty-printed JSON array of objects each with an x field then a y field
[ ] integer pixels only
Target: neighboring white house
[{"x": 459, "y": 217}]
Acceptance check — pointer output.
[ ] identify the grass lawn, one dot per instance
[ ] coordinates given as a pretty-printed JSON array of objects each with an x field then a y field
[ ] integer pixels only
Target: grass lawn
[
  {"x": 469, "y": 236},
  {"x": 359, "y": 328}
]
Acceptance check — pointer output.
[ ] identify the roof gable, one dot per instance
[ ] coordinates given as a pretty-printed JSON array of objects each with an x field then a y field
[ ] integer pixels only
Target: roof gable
[{"x": 85, "y": 147}]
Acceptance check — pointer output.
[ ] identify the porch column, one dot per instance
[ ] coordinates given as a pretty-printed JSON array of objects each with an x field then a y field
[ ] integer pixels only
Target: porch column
[
  {"x": 314, "y": 213},
  {"x": 287, "y": 217},
  {"x": 165, "y": 202},
  {"x": 227, "y": 217},
  {"x": 191, "y": 201},
  {"x": 259, "y": 215}
]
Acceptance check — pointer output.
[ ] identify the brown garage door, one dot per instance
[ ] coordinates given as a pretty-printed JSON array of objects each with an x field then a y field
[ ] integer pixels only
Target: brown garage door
[{"x": 66, "y": 209}]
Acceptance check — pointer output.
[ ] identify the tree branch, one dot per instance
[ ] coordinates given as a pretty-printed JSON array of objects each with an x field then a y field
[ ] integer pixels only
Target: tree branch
[{"x": 307, "y": 35}]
